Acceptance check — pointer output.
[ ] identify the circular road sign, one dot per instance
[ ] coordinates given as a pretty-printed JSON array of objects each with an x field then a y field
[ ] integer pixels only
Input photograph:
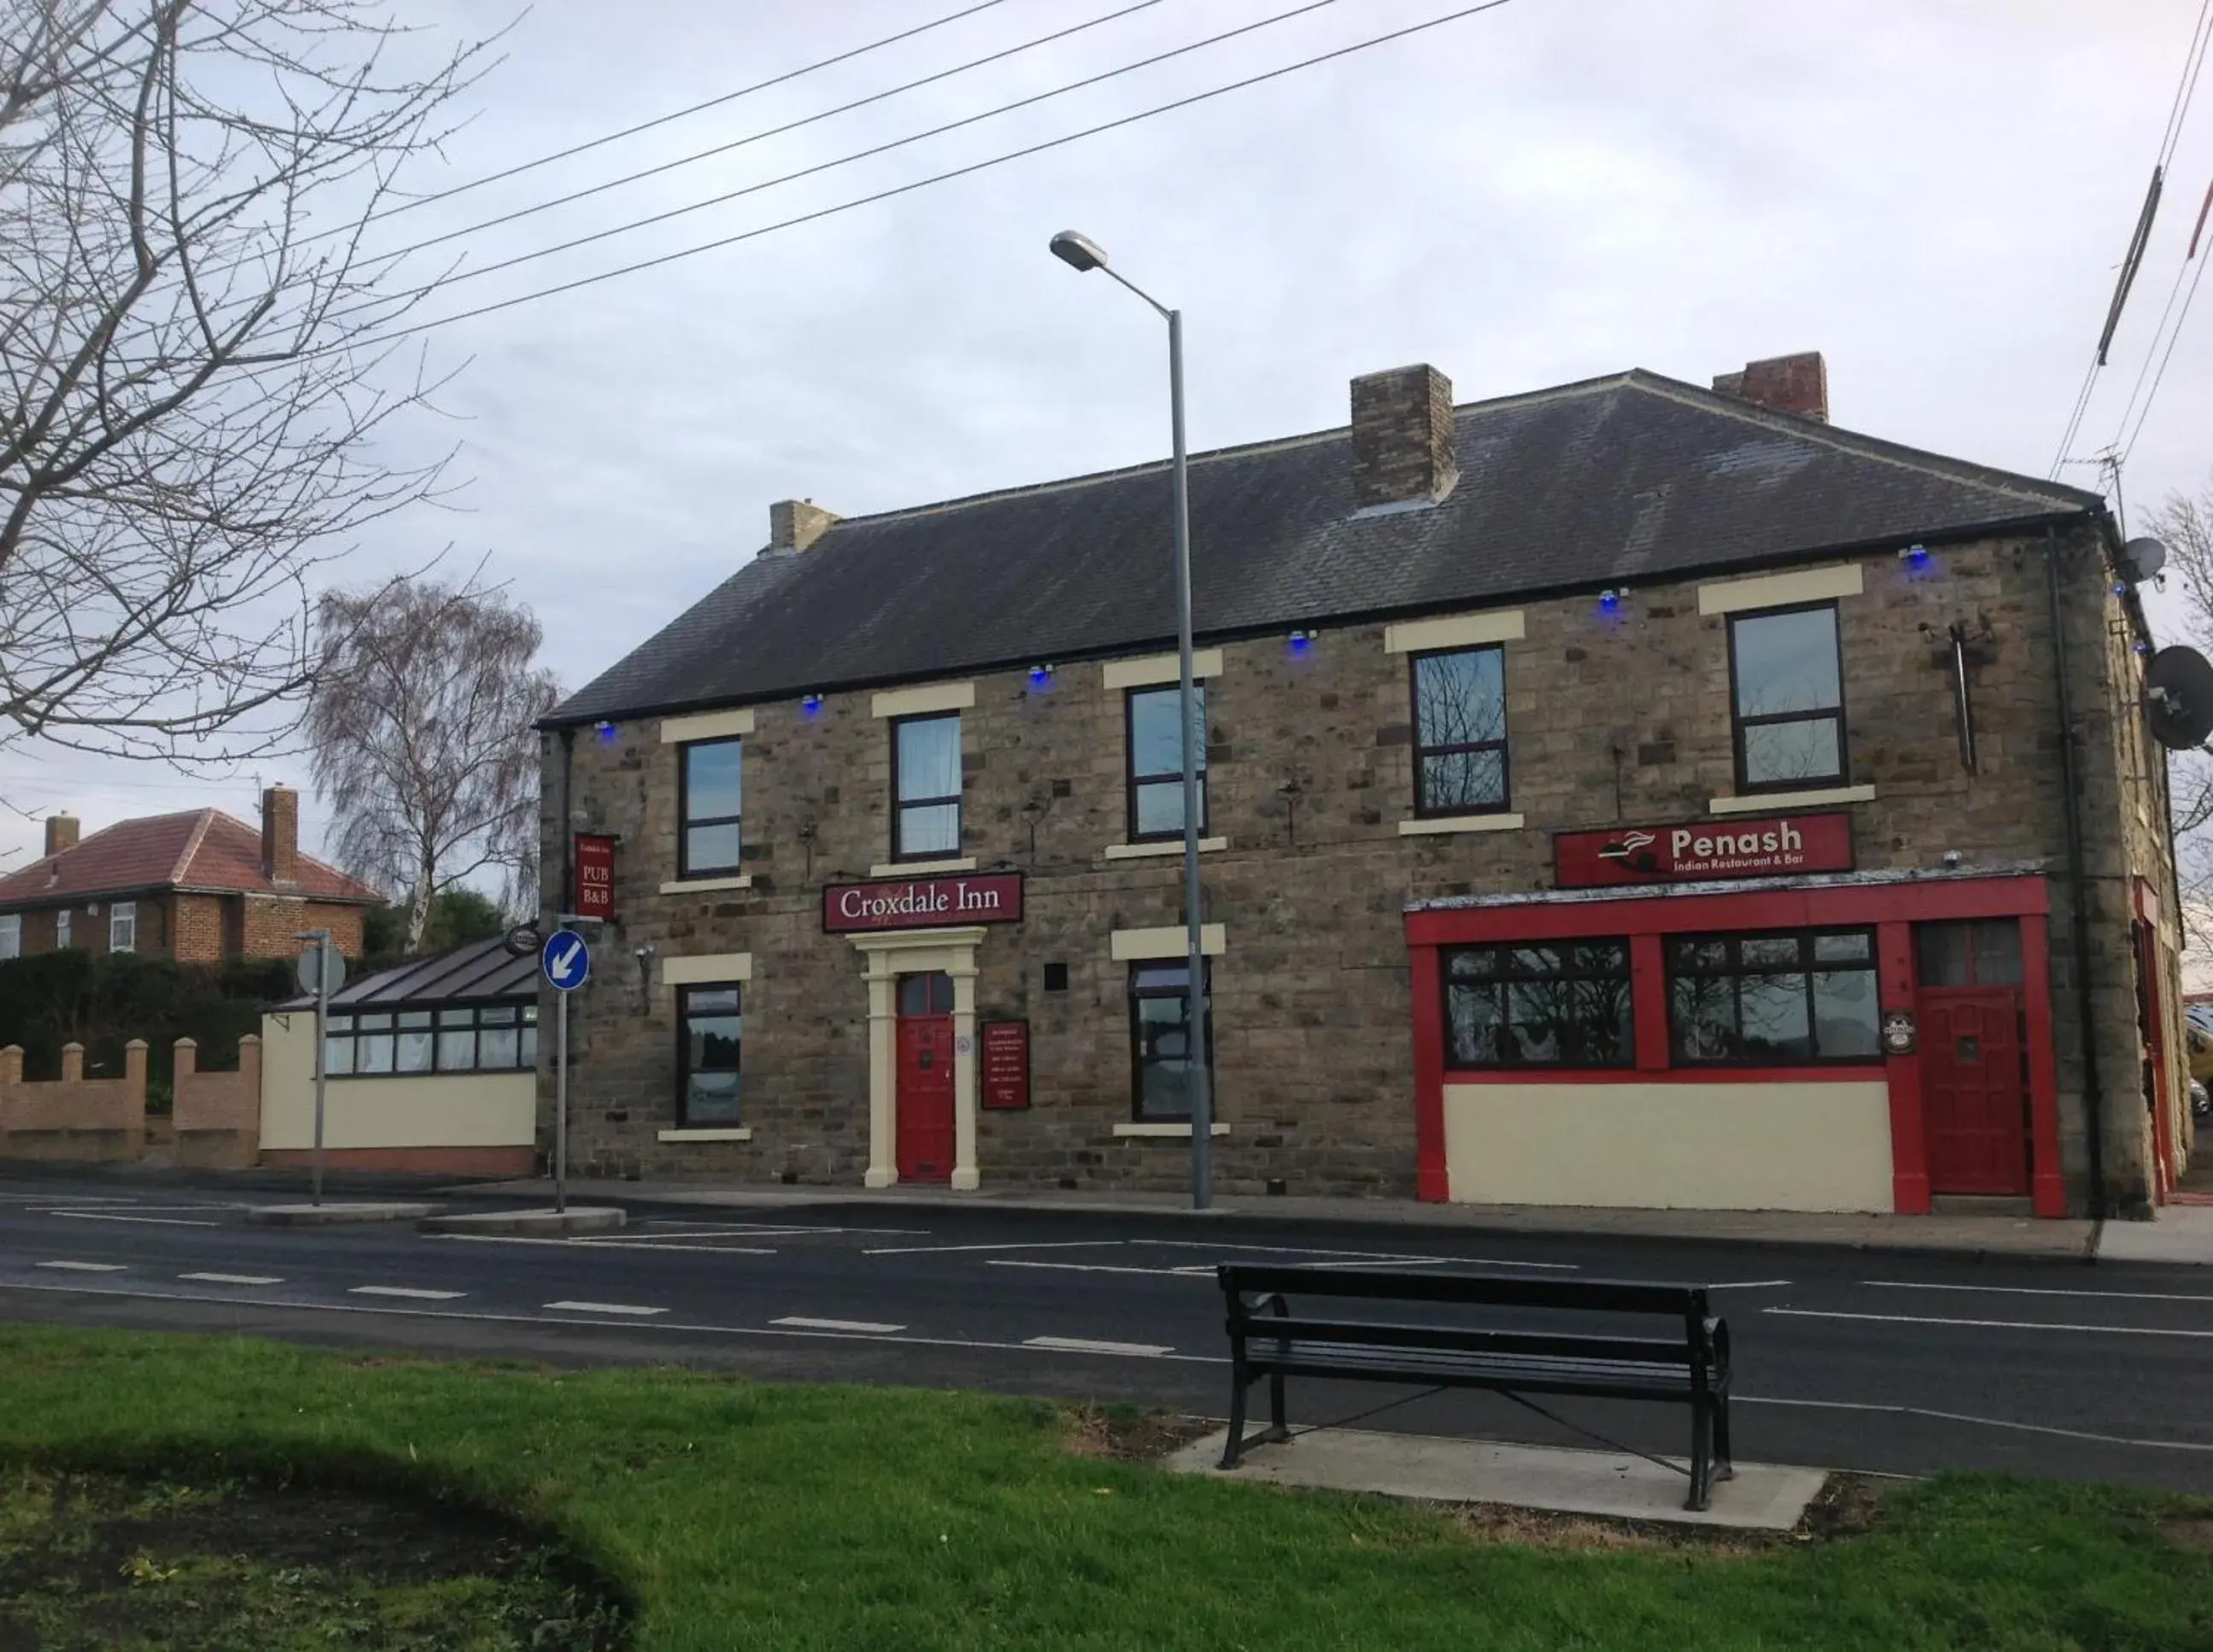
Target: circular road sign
[
  {"x": 333, "y": 968},
  {"x": 565, "y": 959}
]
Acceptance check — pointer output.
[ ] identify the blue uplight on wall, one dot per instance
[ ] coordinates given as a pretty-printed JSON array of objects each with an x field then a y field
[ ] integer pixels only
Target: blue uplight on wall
[
  {"x": 607, "y": 732},
  {"x": 2120, "y": 588},
  {"x": 1040, "y": 679},
  {"x": 1609, "y": 602},
  {"x": 811, "y": 705},
  {"x": 1300, "y": 642}
]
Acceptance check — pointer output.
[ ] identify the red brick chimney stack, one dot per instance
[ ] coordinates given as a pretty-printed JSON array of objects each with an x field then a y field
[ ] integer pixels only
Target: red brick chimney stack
[
  {"x": 61, "y": 832},
  {"x": 1402, "y": 437},
  {"x": 1783, "y": 384},
  {"x": 280, "y": 835}
]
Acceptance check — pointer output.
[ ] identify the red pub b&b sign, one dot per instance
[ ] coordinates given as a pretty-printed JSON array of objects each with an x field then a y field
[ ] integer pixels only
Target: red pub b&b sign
[
  {"x": 1754, "y": 847},
  {"x": 595, "y": 876}
]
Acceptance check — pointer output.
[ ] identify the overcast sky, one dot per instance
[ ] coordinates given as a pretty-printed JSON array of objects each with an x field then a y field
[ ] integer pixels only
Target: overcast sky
[{"x": 1935, "y": 193}]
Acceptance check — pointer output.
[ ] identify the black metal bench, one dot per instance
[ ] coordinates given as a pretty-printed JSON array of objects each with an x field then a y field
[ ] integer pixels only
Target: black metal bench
[{"x": 1691, "y": 1367}]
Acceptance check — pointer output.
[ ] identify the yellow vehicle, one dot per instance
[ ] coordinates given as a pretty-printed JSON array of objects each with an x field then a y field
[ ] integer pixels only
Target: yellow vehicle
[{"x": 2200, "y": 1048}]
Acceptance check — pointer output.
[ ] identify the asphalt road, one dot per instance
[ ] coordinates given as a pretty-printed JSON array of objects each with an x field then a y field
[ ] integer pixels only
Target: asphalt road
[{"x": 1861, "y": 1360}]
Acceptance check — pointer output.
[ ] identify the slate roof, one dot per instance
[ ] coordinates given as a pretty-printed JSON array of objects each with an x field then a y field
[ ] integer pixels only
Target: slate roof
[
  {"x": 481, "y": 972},
  {"x": 1627, "y": 479},
  {"x": 201, "y": 850}
]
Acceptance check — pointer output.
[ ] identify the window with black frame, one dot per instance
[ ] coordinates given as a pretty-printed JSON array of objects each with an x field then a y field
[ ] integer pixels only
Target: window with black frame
[
  {"x": 926, "y": 788},
  {"x": 1155, "y": 758},
  {"x": 1773, "y": 1000},
  {"x": 1459, "y": 731},
  {"x": 710, "y": 1031},
  {"x": 437, "y": 1039},
  {"x": 1159, "y": 1040},
  {"x": 1554, "y": 1004},
  {"x": 1787, "y": 675},
  {"x": 708, "y": 839}
]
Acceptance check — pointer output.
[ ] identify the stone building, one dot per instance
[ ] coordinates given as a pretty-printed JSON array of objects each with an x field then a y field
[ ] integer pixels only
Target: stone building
[{"x": 1625, "y": 794}]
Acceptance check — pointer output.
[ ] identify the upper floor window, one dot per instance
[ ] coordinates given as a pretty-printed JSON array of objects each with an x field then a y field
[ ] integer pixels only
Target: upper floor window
[
  {"x": 926, "y": 787},
  {"x": 708, "y": 1032},
  {"x": 1459, "y": 731},
  {"x": 123, "y": 926},
  {"x": 1789, "y": 707},
  {"x": 1555, "y": 1004},
  {"x": 1155, "y": 756},
  {"x": 1773, "y": 1000},
  {"x": 11, "y": 936},
  {"x": 707, "y": 796}
]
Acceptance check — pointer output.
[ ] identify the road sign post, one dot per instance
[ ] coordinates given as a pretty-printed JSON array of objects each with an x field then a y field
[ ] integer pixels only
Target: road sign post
[
  {"x": 566, "y": 962},
  {"x": 321, "y": 972}
]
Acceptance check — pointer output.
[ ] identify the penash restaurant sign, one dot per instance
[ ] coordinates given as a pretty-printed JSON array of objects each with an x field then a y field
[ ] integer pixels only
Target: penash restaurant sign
[
  {"x": 923, "y": 903},
  {"x": 1774, "y": 846}
]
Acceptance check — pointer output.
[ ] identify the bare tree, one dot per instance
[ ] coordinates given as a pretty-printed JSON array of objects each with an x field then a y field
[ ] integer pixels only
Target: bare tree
[
  {"x": 421, "y": 723},
  {"x": 190, "y": 370},
  {"x": 2186, "y": 526}
]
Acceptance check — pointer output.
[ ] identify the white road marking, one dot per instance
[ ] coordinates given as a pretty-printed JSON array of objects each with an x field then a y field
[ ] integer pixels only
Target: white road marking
[
  {"x": 85, "y": 1267},
  {"x": 588, "y": 1241},
  {"x": 2045, "y": 1290},
  {"x": 70, "y": 1207},
  {"x": 800, "y": 1322},
  {"x": 1086, "y": 1346},
  {"x": 151, "y": 1222},
  {"x": 233, "y": 1278},
  {"x": 1206, "y": 1274},
  {"x": 1747, "y": 1284},
  {"x": 1033, "y": 1245},
  {"x": 769, "y": 1228},
  {"x": 1372, "y": 1256},
  {"x": 608, "y": 1308},
  {"x": 1965, "y": 1417},
  {"x": 1988, "y": 1325},
  {"x": 408, "y": 1291}
]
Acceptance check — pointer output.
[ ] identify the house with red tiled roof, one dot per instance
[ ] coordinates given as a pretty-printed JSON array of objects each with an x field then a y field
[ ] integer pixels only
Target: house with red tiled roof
[{"x": 202, "y": 887}]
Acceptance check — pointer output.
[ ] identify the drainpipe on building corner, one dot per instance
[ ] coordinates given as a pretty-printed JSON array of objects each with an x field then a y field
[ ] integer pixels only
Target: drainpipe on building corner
[
  {"x": 568, "y": 825},
  {"x": 2093, "y": 1093}
]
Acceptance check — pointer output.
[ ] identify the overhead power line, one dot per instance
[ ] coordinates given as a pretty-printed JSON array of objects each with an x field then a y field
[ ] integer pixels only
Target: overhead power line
[{"x": 935, "y": 178}]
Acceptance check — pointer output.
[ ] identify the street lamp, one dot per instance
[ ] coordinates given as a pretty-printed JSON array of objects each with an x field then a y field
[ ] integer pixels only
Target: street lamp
[{"x": 1080, "y": 253}]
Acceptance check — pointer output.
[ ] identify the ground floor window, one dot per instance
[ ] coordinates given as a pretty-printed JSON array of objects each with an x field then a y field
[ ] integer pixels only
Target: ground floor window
[
  {"x": 709, "y": 1035},
  {"x": 1159, "y": 1040},
  {"x": 1551, "y": 1004},
  {"x": 1773, "y": 1000},
  {"x": 478, "y": 1037}
]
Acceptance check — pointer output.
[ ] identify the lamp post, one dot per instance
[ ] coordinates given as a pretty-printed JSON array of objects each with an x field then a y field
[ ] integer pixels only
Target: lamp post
[{"x": 1082, "y": 254}]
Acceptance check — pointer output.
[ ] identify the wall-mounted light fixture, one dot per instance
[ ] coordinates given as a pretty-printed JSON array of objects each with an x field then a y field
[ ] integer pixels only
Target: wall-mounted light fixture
[
  {"x": 810, "y": 705},
  {"x": 1610, "y": 601},
  {"x": 645, "y": 956},
  {"x": 1301, "y": 641},
  {"x": 1041, "y": 676},
  {"x": 606, "y": 733},
  {"x": 1915, "y": 556}
]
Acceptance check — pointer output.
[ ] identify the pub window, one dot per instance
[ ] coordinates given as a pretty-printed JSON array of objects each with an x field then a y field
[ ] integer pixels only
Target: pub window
[
  {"x": 1773, "y": 1000},
  {"x": 1159, "y": 1040},
  {"x": 709, "y": 1029},
  {"x": 1984, "y": 953},
  {"x": 707, "y": 802},
  {"x": 1155, "y": 755},
  {"x": 123, "y": 926},
  {"x": 926, "y": 787},
  {"x": 1459, "y": 731},
  {"x": 1555, "y": 1004},
  {"x": 1788, "y": 678}
]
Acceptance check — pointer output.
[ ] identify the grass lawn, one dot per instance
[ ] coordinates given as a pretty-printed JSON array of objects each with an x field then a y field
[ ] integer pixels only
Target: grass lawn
[{"x": 737, "y": 1515}]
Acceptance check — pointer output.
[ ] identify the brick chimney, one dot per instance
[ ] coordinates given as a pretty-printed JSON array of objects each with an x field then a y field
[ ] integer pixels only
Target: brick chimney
[
  {"x": 280, "y": 835},
  {"x": 795, "y": 524},
  {"x": 1402, "y": 437},
  {"x": 1783, "y": 384},
  {"x": 61, "y": 832}
]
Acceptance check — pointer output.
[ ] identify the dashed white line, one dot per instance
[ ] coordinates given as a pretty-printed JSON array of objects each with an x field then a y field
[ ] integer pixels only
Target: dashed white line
[
  {"x": 1086, "y": 1346},
  {"x": 85, "y": 1267},
  {"x": 1747, "y": 1284},
  {"x": 408, "y": 1291},
  {"x": 587, "y": 1242},
  {"x": 607, "y": 1307},
  {"x": 1984, "y": 1422},
  {"x": 233, "y": 1278},
  {"x": 2044, "y": 1290},
  {"x": 1034, "y": 1245},
  {"x": 150, "y": 1222},
  {"x": 1990, "y": 1325},
  {"x": 1363, "y": 1256},
  {"x": 800, "y": 1322},
  {"x": 1203, "y": 1273}
]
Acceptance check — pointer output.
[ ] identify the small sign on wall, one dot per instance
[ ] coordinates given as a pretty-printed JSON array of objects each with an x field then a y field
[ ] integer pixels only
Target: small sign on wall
[
  {"x": 1006, "y": 1065},
  {"x": 1899, "y": 1035},
  {"x": 595, "y": 876}
]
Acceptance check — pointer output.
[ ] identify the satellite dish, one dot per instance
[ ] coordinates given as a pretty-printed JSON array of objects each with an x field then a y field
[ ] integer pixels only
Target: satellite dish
[
  {"x": 2179, "y": 697},
  {"x": 2141, "y": 558}
]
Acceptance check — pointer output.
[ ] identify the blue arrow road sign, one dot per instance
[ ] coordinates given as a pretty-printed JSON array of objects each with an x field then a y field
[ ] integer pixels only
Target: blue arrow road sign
[{"x": 566, "y": 962}]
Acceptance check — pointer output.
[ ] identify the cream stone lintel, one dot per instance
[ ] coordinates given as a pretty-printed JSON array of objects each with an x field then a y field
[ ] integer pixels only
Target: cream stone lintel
[
  {"x": 921, "y": 868},
  {"x": 706, "y": 1136},
  {"x": 702, "y": 968},
  {"x": 1762, "y": 802},
  {"x": 1781, "y": 590},
  {"x": 917, "y": 702},
  {"x": 1172, "y": 846},
  {"x": 707, "y": 725},
  {"x": 1459, "y": 630},
  {"x": 1152, "y": 668},
  {"x": 1182, "y": 1130},
  {"x": 705, "y": 886},
  {"x": 1459, "y": 823},
  {"x": 1134, "y": 946}
]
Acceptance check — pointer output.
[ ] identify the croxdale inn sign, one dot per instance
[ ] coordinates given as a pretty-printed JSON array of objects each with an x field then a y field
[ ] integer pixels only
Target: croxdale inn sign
[{"x": 923, "y": 903}]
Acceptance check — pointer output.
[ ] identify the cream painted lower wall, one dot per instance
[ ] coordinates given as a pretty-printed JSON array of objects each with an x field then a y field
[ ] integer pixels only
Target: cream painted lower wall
[
  {"x": 444, "y": 1109},
  {"x": 1710, "y": 1146}
]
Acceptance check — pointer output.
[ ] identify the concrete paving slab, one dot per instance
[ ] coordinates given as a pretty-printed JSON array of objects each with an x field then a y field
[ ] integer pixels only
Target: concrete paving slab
[
  {"x": 577, "y": 1219},
  {"x": 335, "y": 1211},
  {"x": 1763, "y": 1497},
  {"x": 2180, "y": 1233}
]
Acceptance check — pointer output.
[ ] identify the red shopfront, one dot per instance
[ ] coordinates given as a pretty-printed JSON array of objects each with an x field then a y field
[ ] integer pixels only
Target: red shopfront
[{"x": 1927, "y": 1069}]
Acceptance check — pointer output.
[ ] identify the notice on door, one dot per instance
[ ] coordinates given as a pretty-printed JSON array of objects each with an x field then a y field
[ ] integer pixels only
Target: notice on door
[{"x": 1006, "y": 1065}]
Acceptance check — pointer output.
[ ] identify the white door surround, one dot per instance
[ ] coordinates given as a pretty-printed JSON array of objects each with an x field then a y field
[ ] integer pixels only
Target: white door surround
[{"x": 888, "y": 954}]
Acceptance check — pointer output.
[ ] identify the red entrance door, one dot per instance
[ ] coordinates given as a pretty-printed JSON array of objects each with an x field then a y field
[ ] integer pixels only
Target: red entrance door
[
  {"x": 1974, "y": 1090},
  {"x": 924, "y": 1098}
]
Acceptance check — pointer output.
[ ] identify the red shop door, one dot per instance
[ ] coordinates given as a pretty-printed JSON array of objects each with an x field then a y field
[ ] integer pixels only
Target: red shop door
[
  {"x": 925, "y": 1098},
  {"x": 1974, "y": 1090}
]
